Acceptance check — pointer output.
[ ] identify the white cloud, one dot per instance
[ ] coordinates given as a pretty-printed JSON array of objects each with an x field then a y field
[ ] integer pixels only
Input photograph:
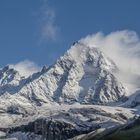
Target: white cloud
[
  {"x": 123, "y": 47},
  {"x": 26, "y": 67},
  {"x": 49, "y": 28}
]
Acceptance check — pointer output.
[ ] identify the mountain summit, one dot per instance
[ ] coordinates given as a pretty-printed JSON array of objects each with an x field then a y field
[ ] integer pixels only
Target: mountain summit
[
  {"x": 78, "y": 94},
  {"x": 82, "y": 75}
]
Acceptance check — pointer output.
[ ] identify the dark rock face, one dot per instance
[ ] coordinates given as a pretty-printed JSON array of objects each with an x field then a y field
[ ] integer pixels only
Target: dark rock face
[
  {"x": 129, "y": 132},
  {"x": 52, "y": 129},
  {"x": 123, "y": 132}
]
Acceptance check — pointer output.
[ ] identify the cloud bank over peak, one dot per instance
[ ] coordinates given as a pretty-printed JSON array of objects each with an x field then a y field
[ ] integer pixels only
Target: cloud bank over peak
[
  {"x": 26, "y": 67},
  {"x": 123, "y": 47}
]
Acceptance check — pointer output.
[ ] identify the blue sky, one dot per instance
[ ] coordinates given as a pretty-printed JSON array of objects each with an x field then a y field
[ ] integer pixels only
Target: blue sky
[{"x": 42, "y": 30}]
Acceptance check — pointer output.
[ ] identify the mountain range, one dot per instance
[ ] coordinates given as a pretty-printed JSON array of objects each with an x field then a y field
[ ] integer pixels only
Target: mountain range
[{"x": 77, "y": 95}]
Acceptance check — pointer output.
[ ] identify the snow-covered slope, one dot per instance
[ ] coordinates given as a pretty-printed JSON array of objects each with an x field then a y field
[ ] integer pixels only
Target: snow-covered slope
[
  {"x": 64, "y": 121},
  {"x": 88, "y": 75},
  {"x": 83, "y": 74}
]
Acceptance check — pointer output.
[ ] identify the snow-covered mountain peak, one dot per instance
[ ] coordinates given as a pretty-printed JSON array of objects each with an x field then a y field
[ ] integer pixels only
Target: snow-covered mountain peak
[
  {"x": 9, "y": 79},
  {"x": 83, "y": 74},
  {"x": 7, "y": 69},
  {"x": 8, "y": 75},
  {"x": 69, "y": 94},
  {"x": 89, "y": 56}
]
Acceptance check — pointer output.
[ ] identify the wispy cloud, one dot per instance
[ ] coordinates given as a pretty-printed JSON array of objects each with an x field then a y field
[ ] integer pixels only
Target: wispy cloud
[
  {"x": 26, "y": 67},
  {"x": 49, "y": 28},
  {"x": 123, "y": 47}
]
